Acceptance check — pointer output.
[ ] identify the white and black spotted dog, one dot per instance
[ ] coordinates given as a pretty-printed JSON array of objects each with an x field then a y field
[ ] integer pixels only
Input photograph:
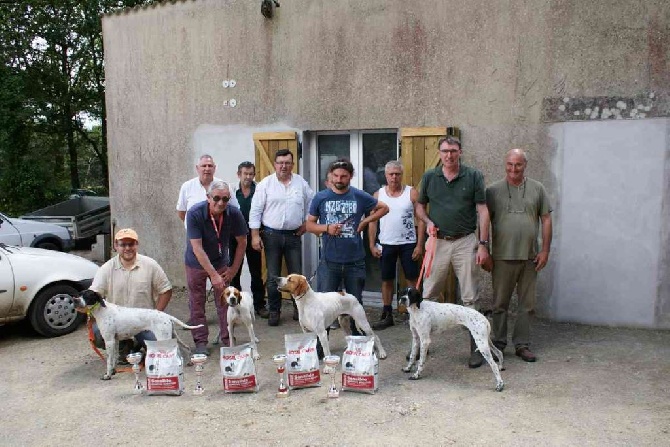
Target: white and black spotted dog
[
  {"x": 430, "y": 317},
  {"x": 123, "y": 323}
]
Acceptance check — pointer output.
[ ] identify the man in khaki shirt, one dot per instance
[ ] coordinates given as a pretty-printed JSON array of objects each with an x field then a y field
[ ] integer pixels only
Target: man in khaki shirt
[{"x": 131, "y": 280}]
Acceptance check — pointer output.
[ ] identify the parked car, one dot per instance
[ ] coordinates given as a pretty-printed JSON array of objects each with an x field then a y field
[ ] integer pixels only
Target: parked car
[
  {"x": 26, "y": 233},
  {"x": 39, "y": 285}
]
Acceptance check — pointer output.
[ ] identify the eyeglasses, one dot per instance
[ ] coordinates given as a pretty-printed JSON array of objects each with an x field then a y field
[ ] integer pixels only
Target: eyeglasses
[
  {"x": 216, "y": 199},
  {"x": 284, "y": 163},
  {"x": 509, "y": 200},
  {"x": 449, "y": 151},
  {"x": 126, "y": 244}
]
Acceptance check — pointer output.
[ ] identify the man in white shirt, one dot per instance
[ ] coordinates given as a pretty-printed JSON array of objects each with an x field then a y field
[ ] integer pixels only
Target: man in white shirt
[
  {"x": 277, "y": 222},
  {"x": 195, "y": 190}
]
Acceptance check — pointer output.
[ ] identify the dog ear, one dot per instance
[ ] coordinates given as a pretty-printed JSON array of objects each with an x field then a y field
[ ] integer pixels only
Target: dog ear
[
  {"x": 301, "y": 287},
  {"x": 99, "y": 299}
]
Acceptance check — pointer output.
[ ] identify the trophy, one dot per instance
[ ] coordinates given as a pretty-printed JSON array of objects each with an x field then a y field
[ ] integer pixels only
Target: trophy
[
  {"x": 331, "y": 362},
  {"x": 135, "y": 358},
  {"x": 199, "y": 361},
  {"x": 280, "y": 361}
]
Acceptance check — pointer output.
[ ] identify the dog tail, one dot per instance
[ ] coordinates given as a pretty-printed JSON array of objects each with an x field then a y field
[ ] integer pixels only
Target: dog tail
[{"x": 182, "y": 324}]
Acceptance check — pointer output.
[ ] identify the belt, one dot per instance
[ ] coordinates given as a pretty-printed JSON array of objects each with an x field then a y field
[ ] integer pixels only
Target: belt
[
  {"x": 285, "y": 232},
  {"x": 443, "y": 236}
]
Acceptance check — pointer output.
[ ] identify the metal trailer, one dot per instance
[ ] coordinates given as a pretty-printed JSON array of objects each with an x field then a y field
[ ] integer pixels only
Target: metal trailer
[{"x": 84, "y": 217}]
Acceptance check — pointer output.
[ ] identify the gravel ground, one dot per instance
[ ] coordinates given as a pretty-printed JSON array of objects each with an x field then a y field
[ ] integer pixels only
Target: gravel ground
[{"x": 591, "y": 386}]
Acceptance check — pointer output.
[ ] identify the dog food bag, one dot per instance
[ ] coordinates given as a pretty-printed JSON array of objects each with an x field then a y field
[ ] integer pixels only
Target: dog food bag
[
  {"x": 238, "y": 369},
  {"x": 164, "y": 367},
  {"x": 302, "y": 361},
  {"x": 360, "y": 366}
]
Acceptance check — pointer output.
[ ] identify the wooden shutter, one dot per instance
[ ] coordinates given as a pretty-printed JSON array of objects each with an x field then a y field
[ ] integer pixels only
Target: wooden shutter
[
  {"x": 419, "y": 152},
  {"x": 267, "y": 144}
]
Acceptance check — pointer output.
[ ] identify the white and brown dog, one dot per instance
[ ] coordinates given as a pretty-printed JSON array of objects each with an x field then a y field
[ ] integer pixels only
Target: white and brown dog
[
  {"x": 122, "y": 323},
  {"x": 241, "y": 310},
  {"x": 430, "y": 317},
  {"x": 317, "y": 310}
]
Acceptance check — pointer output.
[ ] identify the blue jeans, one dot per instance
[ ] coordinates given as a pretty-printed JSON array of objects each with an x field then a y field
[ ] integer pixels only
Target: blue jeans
[
  {"x": 280, "y": 245},
  {"x": 352, "y": 274}
]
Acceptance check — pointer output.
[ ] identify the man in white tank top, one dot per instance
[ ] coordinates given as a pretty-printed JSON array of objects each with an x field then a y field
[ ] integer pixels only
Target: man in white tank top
[{"x": 398, "y": 236}]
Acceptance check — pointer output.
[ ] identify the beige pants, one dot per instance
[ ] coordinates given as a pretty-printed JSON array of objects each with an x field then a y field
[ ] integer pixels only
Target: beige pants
[{"x": 461, "y": 253}]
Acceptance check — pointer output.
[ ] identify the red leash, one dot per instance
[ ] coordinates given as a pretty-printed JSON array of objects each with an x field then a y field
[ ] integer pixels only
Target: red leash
[{"x": 427, "y": 263}]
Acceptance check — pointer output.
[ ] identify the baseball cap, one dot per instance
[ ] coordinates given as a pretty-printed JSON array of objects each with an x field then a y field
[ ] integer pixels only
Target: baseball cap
[{"x": 126, "y": 233}]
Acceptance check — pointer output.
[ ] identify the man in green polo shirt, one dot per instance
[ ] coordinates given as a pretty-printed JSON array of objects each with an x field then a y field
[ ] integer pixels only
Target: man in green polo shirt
[
  {"x": 457, "y": 197},
  {"x": 246, "y": 171},
  {"x": 516, "y": 205}
]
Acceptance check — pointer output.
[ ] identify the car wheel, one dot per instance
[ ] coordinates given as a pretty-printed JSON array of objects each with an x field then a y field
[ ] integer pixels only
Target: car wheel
[
  {"x": 48, "y": 246},
  {"x": 53, "y": 313}
]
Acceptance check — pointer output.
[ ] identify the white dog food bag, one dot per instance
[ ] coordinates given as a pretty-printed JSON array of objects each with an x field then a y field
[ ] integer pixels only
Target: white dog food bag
[
  {"x": 238, "y": 369},
  {"x": 164, "y": 368},
  {"x": 360, "y": 365},
  {"x": 302, "y": 361}
]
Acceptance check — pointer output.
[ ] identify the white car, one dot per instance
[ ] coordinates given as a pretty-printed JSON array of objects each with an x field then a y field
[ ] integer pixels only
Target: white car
[
  {"x": 39, "y": 285},
  {"x": 30, "y": 233}
]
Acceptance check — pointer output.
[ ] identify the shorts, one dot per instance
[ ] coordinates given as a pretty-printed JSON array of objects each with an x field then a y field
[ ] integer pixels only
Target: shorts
[{"x": 390, "y": 255}]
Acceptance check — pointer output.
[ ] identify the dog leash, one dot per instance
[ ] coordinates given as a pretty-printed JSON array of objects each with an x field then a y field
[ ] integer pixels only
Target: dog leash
[
  {"x": 91, "y": 340},
  {"x": 427, "y": 263}
]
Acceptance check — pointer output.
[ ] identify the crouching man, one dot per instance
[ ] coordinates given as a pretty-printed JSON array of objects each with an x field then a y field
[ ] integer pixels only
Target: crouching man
[{"x": 131, "y": 280}]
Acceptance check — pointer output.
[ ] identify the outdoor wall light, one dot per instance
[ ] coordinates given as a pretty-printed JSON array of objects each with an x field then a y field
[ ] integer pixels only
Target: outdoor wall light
[{"x": 267, "y": 8}]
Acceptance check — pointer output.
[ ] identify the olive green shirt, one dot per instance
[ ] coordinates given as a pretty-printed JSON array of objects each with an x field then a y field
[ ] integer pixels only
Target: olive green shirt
[
  {"x": 515, "y": 216},
  {"x": 453, "y": 204}
]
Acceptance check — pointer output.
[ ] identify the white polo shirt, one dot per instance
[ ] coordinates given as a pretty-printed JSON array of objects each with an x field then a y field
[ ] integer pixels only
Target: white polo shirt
[{"x": 192, "y": 192}]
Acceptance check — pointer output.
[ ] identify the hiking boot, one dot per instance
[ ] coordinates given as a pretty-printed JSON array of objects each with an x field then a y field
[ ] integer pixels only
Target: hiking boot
[
  {"x": 476, "y": 359},
  {"x": 125, "y": 348},
  {"x": 263, "y": 312},
  {"x": 385, "y": 321},
  {"x": 273, "y": 318},
  {"x": 525, "y": 354}
]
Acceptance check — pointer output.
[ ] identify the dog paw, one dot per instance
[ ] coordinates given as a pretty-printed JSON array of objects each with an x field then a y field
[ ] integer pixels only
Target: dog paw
[
  {"x": 257, "y": 356},
  {"x": 407, "y": 369},
  {"x": 382, "y": 355},
  {"x": 414, "y": 376},
  {"x": 106, "y": 377},
  {"x": 500, "y": 386}
]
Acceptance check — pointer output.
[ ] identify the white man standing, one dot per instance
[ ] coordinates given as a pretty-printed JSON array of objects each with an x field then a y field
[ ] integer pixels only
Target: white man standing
[
  {"x": 516, "y": 205},
  {"x": 210, "y": 225},
  {"x": 457, "y": 198},
  {"x": 195, "y": 190},
  {"x": 277, "y": 222},
  {"x": 245, "y": 190},
  {"x": 398, "y": 237},
  {"x": 132, "y": 280}
]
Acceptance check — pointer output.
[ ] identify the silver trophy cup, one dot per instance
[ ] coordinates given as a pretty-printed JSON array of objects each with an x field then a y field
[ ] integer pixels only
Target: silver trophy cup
[
  {"x": 199, "y": 361},
  {"x": 135, "y": 358},
  {"x": 280, "y": 361},
  {"x": 331, "y": 362}
]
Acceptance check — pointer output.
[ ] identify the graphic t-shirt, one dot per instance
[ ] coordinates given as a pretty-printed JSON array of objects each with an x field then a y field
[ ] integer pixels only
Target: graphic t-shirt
[{"x": 347, "y": 209}]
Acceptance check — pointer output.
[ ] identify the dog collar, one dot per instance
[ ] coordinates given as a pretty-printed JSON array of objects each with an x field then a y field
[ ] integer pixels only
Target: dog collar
[{"x": 92, "y": 309}]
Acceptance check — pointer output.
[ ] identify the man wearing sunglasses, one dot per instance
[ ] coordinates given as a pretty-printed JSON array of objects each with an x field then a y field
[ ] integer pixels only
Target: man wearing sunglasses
[
  {"x": 132, "y": 280},
  {"x": 209, "y": 226},
  {"x": 277, "y": 222},
  {"x": 516, "y": 205}
]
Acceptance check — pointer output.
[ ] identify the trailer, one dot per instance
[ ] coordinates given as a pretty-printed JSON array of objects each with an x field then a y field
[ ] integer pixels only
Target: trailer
[{"x": 84, "y": 217}]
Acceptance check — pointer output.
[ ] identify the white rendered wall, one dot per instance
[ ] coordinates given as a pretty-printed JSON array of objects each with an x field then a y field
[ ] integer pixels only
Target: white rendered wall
[{"x": 609, "y": 247}]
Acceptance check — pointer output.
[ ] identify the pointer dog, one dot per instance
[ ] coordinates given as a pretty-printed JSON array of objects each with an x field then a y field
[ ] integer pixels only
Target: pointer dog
[
  {"x": 317, "y": 310},
  {"x": 241, "y": 310},
  {"x": 121, "y": 323},
  {"x": 429, "y": 317}
]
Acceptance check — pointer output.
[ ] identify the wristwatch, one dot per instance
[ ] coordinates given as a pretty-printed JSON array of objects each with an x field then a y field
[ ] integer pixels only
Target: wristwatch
[{"x": 484, "y": 243}]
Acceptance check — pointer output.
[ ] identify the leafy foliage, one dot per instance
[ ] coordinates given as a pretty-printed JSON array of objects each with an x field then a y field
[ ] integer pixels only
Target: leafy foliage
[{"x": 51, "y": 91}]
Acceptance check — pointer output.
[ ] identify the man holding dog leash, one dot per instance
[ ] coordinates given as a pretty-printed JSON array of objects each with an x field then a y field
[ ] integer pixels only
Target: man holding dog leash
[
  {"x": 132, "y": 280},
  {"x": 457, "y": 197}
]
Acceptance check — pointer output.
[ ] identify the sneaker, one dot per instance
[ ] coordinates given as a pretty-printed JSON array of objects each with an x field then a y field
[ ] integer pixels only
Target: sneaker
[
  {"x": 201, "y": 349},
  {"x": 525, "y": 354},
  {"x": 385, "y": 321},
  {"x": 263, "y": 312},
  {"x": 273, "y": 318}
]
